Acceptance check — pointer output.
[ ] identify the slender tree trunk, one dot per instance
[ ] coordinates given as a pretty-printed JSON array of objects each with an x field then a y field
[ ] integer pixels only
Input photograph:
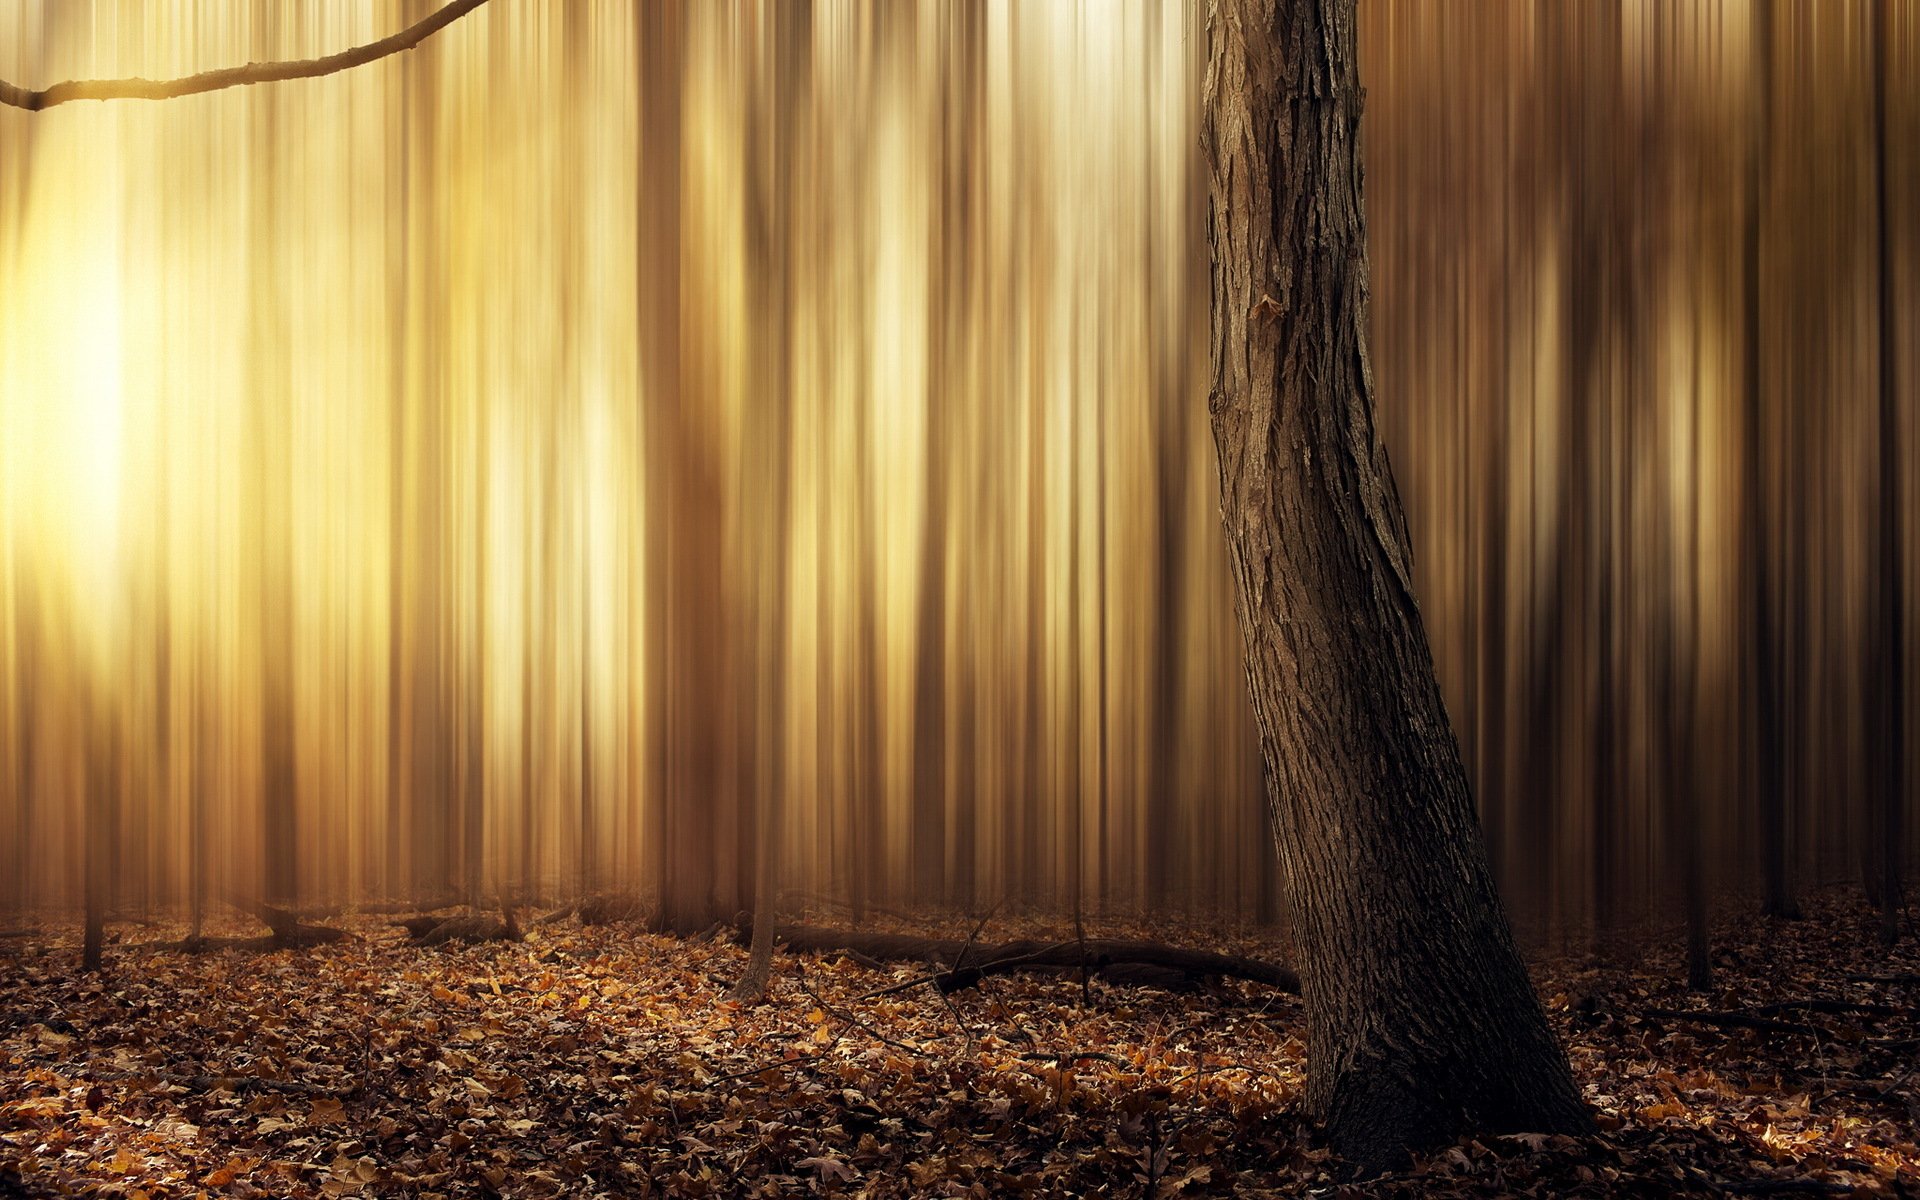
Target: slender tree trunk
[
  {"x": 27, "y": 702},
  {"x": 927, "y": 833},
  {"x": 271, "y": 430},
  {"x": 1769, "y": 726},
  {"x": 1169, "y": 652},
  {"x": 864, "y": 759},
  {"x": 474, "y": 704},
  {"x": 102, "y": 800},
  {"x": 1024, "y": 855},
  {"x": 927, "y": 837},
  {"x": 1422, "y": 1024},
  {"x": 199, "y": 779},
  {"x": 1890, "y": 741},
  {"x": 774, "y": 125},
  {"x": 1683, "y": 757}
]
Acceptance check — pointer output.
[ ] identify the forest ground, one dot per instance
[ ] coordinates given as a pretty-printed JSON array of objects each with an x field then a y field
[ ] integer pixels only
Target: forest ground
[{"x": 606, "y": 1061}]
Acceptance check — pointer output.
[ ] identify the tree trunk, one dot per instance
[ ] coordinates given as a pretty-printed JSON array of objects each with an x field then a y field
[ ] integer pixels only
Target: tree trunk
[
  {"x": 688, "y": 692},
  {"x": 1769, "y": 729},
  {"x": 774, "y": 126},
  {"x": 102, "y": 784},
  {"x": 1891, "y": 744},
  {"x": 272, "y": 458},
  {"x": 1422, "y": 1024},
  {"x": 927, "y": 832}
]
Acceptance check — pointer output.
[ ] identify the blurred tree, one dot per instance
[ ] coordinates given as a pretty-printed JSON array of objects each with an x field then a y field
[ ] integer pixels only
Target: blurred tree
[
  {"x": 693, "y": 793},
  {"x": 1891, "y": 744},
  {"x": 1763, "y": 626}
]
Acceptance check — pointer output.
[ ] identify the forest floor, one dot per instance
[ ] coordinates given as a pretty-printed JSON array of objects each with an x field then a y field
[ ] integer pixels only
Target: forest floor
[{"x": 606, "y": 1061}]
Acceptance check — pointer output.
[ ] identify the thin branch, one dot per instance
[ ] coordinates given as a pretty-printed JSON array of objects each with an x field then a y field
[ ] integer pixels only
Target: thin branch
[
  {"x": 1081, "y": 1056},
  {"x": 800, "y": 976},
  {"x": 207, "y": 1082},
  {"x": 226, "y": 77},
  {"x": 1731, "y": 1020}
]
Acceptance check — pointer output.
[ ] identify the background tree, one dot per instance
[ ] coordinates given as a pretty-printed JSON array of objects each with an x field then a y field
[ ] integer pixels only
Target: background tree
[{"x": 1890, "y": 675}]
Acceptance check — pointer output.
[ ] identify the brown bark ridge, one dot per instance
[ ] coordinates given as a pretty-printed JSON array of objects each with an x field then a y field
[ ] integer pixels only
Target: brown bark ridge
[
  {"x": 226, "y": 77},
  {"x": 1422, "y": 1024}
]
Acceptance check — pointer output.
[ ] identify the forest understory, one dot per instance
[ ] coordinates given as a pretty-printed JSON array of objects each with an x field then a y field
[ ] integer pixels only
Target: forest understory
[{"x": 602, "y": 1060}]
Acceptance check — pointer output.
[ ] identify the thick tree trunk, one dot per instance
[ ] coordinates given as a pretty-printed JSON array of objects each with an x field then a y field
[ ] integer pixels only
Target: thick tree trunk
[{"x": 1422, "y": 1022}]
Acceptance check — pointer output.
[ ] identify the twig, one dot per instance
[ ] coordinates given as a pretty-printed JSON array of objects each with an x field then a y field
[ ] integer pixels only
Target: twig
[
  {"x": 1861, "y": 1087},
  {"x": 1832, "y": 1007},
  {"x": 947, "y": 999},
  {"x": 1802, "y": 1183},
  {"x": 800, "y": 975},
  {"x": 859, "y": 959},
  {"x": 960, "y": 960},
  {"x": 939, "y": 976},
  {"x": 207, "y": 1083},
  {"x": 1013, "y": 1018},
  {"x": 1079, "y": 1056},
  {"x": 1217, "y": 1068},
  {"x": 806, "y": 1060},
  {"x": 1154, "y": 1164}
]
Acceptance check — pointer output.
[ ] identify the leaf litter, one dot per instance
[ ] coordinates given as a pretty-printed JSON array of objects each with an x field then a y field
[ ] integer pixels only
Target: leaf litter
[{"x": 602, "y": 1060}]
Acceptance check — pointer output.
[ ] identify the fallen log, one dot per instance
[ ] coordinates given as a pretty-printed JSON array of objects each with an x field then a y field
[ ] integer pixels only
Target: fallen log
[
  {"x": 389, "y": 908},
  {"x": 206, "y": 944},
  {"x": 472, "y": 927},
  {"x": 965, "y": 963},
  {"x": 288, "y": 929},
  {"x": 419, "y": 927},
  {"x": 608, "y": 910}
]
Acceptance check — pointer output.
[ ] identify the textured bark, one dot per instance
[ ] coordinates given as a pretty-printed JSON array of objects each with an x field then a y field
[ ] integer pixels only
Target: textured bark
[{"x": 1422, "y": 1024}]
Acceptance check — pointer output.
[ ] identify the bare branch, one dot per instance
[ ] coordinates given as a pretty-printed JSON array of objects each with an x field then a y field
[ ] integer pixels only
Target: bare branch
[{"x": 226, "y": 77}]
